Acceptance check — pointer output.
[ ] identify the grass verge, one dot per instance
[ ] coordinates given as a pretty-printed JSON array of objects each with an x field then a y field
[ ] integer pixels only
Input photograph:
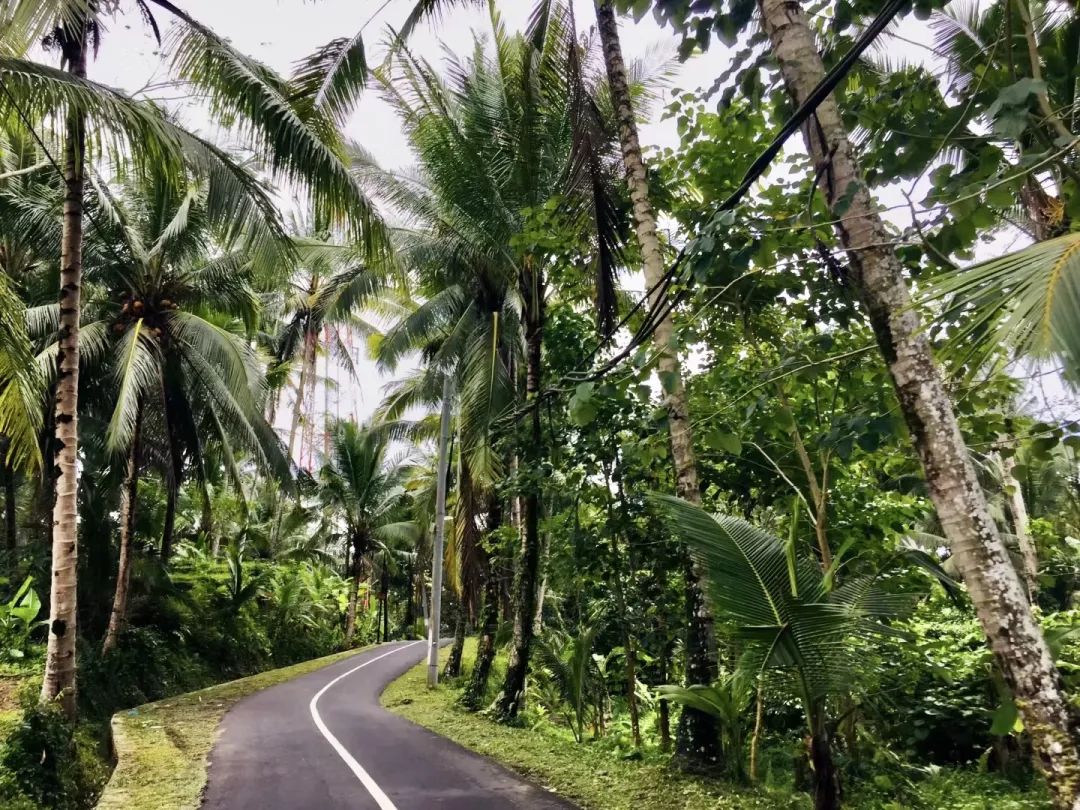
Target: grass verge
[
  {"x": 161, "y": 748},
  {"x": 595, "y": 779}
]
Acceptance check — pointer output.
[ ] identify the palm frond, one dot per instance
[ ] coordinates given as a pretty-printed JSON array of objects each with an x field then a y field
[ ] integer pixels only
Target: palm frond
[
  {"x": 137, "y": 370},
  {"x": 333, "y": 76},
  {"x": 1026, "y": 301}
]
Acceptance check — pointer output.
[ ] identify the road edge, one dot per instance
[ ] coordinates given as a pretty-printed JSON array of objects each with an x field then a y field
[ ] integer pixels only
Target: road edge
[{"x": 162, "y": 748}]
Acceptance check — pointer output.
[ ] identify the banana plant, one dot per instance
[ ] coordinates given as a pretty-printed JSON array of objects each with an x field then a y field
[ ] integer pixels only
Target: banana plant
[{"x": 17, "y": 620}]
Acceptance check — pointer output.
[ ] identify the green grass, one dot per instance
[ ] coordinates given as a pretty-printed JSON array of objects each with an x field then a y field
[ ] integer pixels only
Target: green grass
[
  {"x": 594, "y": 778},
  {"x": 162, "y": 748}
]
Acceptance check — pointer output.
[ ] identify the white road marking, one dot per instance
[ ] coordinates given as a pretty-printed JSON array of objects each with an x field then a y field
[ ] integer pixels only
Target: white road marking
[{"x": 370, "y": 784}]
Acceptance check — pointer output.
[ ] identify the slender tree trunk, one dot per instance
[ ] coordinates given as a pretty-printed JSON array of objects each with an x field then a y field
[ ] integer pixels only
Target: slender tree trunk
[
  {"x": 128, "y": 500},
  {"x": 453, "y": 661},
  {"x": 825, "y": 776},
  {"x": 307, "y": 367},
  {"x": 541, "y": 591},
  {"x": 354, "y": 591},
  {"x": 384, "y": 586},
  {"x": 438, "y": 548},
  {"x": 11, "y": 537},
  {"x": 1018, "y": 509},
  {"x": 326, "y": 421},
  {"x": 485, "y": 649},
  {"x": 206, "y": 519},
  {"x": 173, "y": 479},
  {"x": 271, "y": 407},
  {"x": 698, "y": 739},
  {"x": 998, "y": 596},
  {"x": 510, "y": 699},
  {"x": 621, "y": 602},
  {"x": 59, "y": 680},
  {"x": 759, "y": 722},
  {"x": 819, "y": 491},
  {"x": 425, "y": 609},
  {"x": 631, "y": 690},
  {"x": 664, "y": 709},
  {"x": 170, "y": 521},
  {"x": 410, "y": 602}
]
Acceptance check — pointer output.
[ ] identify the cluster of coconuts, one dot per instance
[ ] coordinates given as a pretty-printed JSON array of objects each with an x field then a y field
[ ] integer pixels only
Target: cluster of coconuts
[{"x": 134, "y": 308}]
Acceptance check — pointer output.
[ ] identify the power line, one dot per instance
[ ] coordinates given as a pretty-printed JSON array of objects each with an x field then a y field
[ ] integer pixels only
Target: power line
[{"x": 676, "y": 272}]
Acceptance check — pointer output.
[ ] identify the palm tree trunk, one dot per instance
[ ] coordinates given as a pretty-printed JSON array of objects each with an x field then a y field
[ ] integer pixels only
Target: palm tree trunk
[
  {"x": 664, "y": 708},
  {"x": 453, "y": 661},
  {"x": 438, "y": 548},
  {"x": 698, "y": 739},
  {"x": 541, "y": 591},
  {"x": 825, "y": 776},
  {"x": 384, "y": 587},
  {"x": 128, "y": 497},
  {"x": 1018, "y": 509},
  {"x": 10, "y": 536},
  {"x": 996, "y": 592},
  {"x": 510, "y": 699},
  {"x": 354, "y": 591},
  {"x": 59, "y": 679},
  {"x": 410, "y": 602},
  {"x": 759, "y": 722},
  {"x": 485, "y": 649},
  {"x": 171, "y": 488},
  {"x": 306, "y": 368},
  {"x": 173, "y": 478}
]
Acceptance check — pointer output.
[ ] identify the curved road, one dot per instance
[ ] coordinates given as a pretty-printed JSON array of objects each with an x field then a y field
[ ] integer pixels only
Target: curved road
[{"x": 322, "y": 741}]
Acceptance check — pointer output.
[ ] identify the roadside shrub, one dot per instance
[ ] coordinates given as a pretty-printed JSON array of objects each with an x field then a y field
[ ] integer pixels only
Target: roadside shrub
[
  {"x": 46, "y": 762},
  {"x": 145, "y": 666}
]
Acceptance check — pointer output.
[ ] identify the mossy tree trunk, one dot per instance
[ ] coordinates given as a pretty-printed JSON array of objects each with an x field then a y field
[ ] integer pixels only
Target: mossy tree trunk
[{"x": 996, "y": 592}]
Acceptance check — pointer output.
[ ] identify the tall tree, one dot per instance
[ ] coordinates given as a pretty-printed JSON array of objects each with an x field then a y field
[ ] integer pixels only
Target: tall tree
[
  {"x": 697, "y": 740},
  {"x": 510, "y": 174},
  {"x": 73, "y": 38},
  {"x": 363, "y": 486},
  {"x": 995, "y": 588},
  {"x": 295, "y": 139}
]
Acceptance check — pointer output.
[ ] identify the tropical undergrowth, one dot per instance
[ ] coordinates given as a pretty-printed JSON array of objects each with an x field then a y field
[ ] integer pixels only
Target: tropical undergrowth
[{"x": 204, "y": 622}]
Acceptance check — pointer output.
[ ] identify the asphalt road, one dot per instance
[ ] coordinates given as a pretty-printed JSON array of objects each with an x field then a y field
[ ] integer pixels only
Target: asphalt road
[{"x": 323, "y": 742}]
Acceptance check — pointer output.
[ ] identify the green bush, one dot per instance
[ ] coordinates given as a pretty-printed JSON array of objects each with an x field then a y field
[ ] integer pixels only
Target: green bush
[
  {"x": 940, "y": 681},
  {"x": 145, "y": 666},
  {"x": 46, "y": 762}
]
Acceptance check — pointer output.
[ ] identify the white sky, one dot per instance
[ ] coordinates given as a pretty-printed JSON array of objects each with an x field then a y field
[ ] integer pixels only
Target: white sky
[{"x": 278, "y": 32}]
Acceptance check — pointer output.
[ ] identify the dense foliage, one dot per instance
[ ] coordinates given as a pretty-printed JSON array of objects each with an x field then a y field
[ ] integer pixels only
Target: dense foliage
[{"x": 765, "y": 518}]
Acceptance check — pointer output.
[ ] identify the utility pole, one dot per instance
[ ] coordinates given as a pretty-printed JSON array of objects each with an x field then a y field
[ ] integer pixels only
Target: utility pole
[{"x": 440, "y": 539}]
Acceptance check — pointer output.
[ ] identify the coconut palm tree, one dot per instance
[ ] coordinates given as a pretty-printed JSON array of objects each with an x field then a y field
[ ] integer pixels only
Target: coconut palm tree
[
  {"x": 364, "y": 488},
  {"x": 169, "y": 312},
  {"x": 324, "y": 298},
  {"x": 297, "y": 142},
  {"x": 498, "y": 141}
]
